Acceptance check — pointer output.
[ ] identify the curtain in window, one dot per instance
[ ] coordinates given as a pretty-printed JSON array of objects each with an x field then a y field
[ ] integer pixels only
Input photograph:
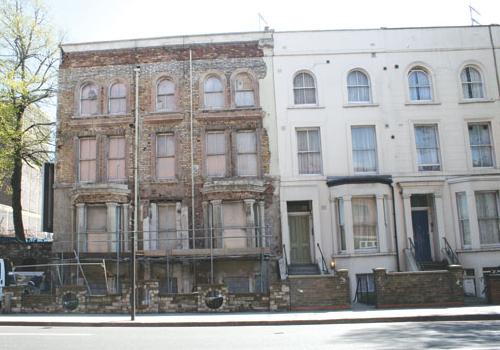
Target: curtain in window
[
  {"x": 488, "y": 217},
  {"x": 463, "y": 218},
  {"x": 89, "y": 100},
  {"x": 427, "y": 147},
  {"x": 214, "y": 93},
  {"x": 304, "y": 89},
  {"x": 165, "y": 156},
  {"x": 472, "y": 83},
  {"x": 244, "y": 94},
  {"x": 364, "y": 146},
  {"x": 420, "y": 86},
  {"x": 216, "y": 154},
  {"x": 364, "y": 217},
  {"x": 117, "y": 98},
  {"x": 246, "y": 145},
  {"x": 309, "y": 151},
  {"x": 480, "y": 143},
  {"x": 358, "y": 87},
  {"x": 116, "y": 158},
  {"x": 165, "y": 99},
  {"x": 87, "y": 160}
]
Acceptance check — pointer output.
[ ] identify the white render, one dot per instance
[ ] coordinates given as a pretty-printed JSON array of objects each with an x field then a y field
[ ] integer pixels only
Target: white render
[{"x": 387, "y": 55}]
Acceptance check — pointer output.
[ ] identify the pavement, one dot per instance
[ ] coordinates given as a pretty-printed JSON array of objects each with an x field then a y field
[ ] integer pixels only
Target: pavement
[{"x": 470, "y": 313}]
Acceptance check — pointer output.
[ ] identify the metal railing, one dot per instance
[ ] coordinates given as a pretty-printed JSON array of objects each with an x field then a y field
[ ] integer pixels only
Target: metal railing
[
  {"x": 413, "y": 252},
  {"x": 324, "y": 266},
  {"x": 450, "y": 253}
]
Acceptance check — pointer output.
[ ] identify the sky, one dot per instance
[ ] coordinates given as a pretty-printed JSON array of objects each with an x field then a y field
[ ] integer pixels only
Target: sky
[{"x": 101, "y": 20}]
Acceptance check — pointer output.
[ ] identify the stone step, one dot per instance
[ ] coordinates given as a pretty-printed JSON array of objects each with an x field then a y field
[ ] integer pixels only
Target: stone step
[
  {"x": 304, "y": 269},
  {"x": 433, "y": 265}
]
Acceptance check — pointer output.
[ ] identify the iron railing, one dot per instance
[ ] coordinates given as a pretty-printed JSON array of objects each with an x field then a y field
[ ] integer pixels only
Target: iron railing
[
  {"x": 450, "y": 253},
  {"x": 324, "y": 266},
  {"x": 413, "y": 252}
]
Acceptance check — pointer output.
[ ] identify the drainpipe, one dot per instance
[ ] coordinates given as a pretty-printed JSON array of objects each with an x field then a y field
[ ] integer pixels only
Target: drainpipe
[
  {"x": 136, "y": 193},
  {"x": 494, "y": 59},
  {"x": 191, "y": 138}
]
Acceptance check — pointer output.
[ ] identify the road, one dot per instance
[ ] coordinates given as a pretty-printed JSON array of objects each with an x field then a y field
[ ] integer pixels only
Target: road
[{"x": 408, "y": 336}]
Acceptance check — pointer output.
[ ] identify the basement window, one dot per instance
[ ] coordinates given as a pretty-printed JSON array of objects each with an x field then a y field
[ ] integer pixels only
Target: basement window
[{"x": 237, "y": 285}]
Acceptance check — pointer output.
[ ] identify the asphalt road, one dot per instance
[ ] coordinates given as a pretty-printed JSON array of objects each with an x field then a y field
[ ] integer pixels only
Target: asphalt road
[{"x": 408, "y": 336}]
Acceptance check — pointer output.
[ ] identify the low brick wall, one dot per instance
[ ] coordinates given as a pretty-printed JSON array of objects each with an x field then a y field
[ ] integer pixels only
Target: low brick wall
[
  {"x": 493, "y": 288},
  {"x": 279, "y": 296},
  {"x": 325, "y": 292},
  {"x": 21, "y": 253},
  {"x": 419, "y": 289}
]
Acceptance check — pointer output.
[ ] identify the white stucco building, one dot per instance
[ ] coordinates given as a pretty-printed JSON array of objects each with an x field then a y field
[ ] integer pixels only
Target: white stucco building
[{"x": 387, "y": 137}]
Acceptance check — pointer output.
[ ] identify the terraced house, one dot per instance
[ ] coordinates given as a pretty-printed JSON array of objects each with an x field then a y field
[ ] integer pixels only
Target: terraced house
[{"x": 207, "y": 180}]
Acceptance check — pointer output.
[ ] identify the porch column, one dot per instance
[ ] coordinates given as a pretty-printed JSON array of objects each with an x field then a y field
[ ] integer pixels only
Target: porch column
[
  {"x": 184, "y": 210},
  {"x": 150, "y": 228},
  {"x": 475, "y": 239},
  {"x": 262, "y": 223},
  {"x": 217, "y": 223},
  {"x": 178, "y": 227},
  {"x": 81, "y": 228},
  {"x": 381, "y": 227},
  {"x": 125, "y": 228},
  {"x": 438, "y": 204},
  {"x": 348, "y": 222},
  {"x": 407, "y": 213},
  {"x": 250, "y": 222},
  {"x": 206, "y": 224},
  {"x": 111, "y": 227},
  {"x": 333, "y": 218}
]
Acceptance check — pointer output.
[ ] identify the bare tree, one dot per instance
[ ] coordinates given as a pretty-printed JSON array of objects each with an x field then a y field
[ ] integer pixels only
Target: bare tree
[{"x": 28, "y": 69}]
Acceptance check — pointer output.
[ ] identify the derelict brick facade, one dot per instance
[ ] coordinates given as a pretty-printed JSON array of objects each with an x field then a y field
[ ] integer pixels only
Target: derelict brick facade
[{"x": 105, "y": 67}]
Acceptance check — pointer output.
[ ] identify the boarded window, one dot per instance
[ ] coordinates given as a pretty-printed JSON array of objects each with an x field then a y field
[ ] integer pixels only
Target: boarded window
[
  {"x": 246, "y": 145},
  {"x": 213, "y": 93},
  {"x": 167, "y": 233},
  {"x": 87, "y": 160},
  {"x": 117, "y": 99},
  {"x": 165, "y": 97},
  {"x": 116, "y": 159},
  {"x": 89, "y": 100},
  {"x": 165, "y": 156},
  {"x": 244, "y": 94},
  {"x": 364, "y": 223},
  {"x": 216, "y": 154},
  {"x": 309, "y": 151},
  {"x": 97, "y": 238},
  {"x": 237, "y": 285},
  {"x": 234, "y": 223}
]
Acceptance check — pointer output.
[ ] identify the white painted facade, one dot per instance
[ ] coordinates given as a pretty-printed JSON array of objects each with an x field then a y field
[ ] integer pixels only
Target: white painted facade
[{"x": 386, "y": 56}]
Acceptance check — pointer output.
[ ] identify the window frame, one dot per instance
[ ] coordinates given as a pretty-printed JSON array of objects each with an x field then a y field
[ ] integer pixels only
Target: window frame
[
  {"x": 238, "y": 153},
  {"x": 225, "y": 154},
  {"x": 81, "y": 99},
  {"x": 124, "y": 97},
  {"x": 117, "y": 159},
  {"x": 375, "y": 248},
  {"x": 172, "y": 156},
  {"x": 304, "y": 88},
  {"x": 157, "y": 94},
  {"x": 420, "y": 69},
  {"x": 309, "y": 129},
  {"x": 236, "y": 90},
  {"x": 222, "y": 91},
  {"x": 437, "y": 148},
  {"x": 368, "y": 86},
  {"x": 491, "y": 144},
  {"x": 89, "y": 160},
  {"x": 463, "y": 219},
  {"x": 497, "y": 218},
  {"x": 481, "y": 82},
  {"x": 374, "y": 150}
]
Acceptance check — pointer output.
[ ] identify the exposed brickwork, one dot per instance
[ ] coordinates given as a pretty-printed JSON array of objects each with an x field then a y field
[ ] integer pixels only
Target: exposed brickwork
[
  {"x": 418, "y": 289},
  {"x": 320, "y": 292},
  {"x": 22, "y": 253}
]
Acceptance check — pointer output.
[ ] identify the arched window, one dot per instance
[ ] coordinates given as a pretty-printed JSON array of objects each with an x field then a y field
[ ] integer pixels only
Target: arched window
[
  {"x": 213, "y": 93},
  {"x": 117, "y": 99},
  {"x": 165, "y": 95},
  {"x": 472, "y": 83},
  {"x": 244, "y": 91},
  {"x": 358, "y": 87},
  {"x": 89, "y": 100},
  {"x": 419, "y": 84},
  {"x": 304, "y": 89}
]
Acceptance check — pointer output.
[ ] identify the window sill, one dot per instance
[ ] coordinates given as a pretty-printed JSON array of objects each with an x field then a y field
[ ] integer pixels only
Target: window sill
[
  {"x": 165, "y": 181},
  {"x": 360, "y": 254},
  {"x": 162, "y": 116},
  {"x": 354, "y": 105},
  {"x": 99, "y": 116},
  {"x": 422, "y": 103},
  {"x": 476, "y": 100},
  {"x": 306, "y": 107},
  {"x": 483, "y": 249}
]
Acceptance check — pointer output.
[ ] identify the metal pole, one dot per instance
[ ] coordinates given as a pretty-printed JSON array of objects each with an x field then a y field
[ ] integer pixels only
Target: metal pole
[
  {"x": 192, "y": 141},
  {"x": 136, "y": 193}
]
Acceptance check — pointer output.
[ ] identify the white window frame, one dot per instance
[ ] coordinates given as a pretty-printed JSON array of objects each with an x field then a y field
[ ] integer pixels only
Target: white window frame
[
  {"x": 111, "y": 98},
  {"x": 438, "y": 148},
  {"x": 374, "y": 150},
  {"x": 376, "y": 225},
  {"x": 205, "y": 92},
  {"x": 420, "y": 69},
  {"x": 166, "y": 109},
  {"x": 463, "y": 219},
  {"x": 81, "y": 99},
  {"x": 304, "y": 88},
  {"x": 368, "y": 86},
  {"x": 491, "y": 144},
  {"x": 497, "y": 218},
  {"x": 471, "y": 83},
  {"x": 318, "y": 130}
]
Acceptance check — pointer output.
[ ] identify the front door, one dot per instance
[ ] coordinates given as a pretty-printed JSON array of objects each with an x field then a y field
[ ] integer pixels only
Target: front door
[
  {"x": 300, "y": 230},
  {"x": 420, "y": 220}
]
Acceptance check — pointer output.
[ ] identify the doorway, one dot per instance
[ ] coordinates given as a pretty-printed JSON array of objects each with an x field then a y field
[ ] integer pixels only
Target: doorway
[
  {"x": 300, "y": 228},
  {"x": 421, "y": 217}
]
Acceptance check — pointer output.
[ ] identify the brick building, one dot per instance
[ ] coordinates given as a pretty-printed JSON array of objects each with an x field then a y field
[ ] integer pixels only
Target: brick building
[{"x": 223, "y": 96}]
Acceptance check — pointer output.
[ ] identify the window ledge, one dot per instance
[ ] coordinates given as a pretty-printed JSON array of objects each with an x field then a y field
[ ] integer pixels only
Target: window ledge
[
  {"x": 354, "y": 105},
  {"x": 483, "y": 249},
  {"x": 306, "y": 107},
  {"x": 476, "y": 100},
  {"x": 98, "y": 116},
  {"x": 362, "y": 254},
  {"x": 422, "y": 103},
  {"x": 162, "y": 116},
  {"x": 165, "y": 181}
]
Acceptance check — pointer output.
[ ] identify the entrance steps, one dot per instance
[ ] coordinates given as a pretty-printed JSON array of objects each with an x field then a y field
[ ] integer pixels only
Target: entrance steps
[
  {"x": 304, "y": 269},
  {"x": 433, "y": 265}
]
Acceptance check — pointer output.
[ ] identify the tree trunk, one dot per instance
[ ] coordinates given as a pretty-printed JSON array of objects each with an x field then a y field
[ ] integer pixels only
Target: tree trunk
[{"x": 17, "y": 209}]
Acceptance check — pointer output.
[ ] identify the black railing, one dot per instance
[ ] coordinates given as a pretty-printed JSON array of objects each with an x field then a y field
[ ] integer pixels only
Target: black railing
[
  {"x": 450, "y": 253},
  {"x": 413, "y": 252},
  {"x": 324, "y": 266}
]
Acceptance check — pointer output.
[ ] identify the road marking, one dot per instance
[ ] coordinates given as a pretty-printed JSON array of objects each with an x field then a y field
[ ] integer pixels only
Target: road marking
[{"x": 50, "y": 334}]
